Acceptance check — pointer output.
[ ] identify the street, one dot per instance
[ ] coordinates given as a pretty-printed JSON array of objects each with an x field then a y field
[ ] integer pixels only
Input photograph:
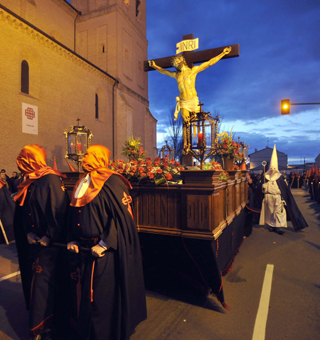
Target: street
[{"x": 179, "y": 310}]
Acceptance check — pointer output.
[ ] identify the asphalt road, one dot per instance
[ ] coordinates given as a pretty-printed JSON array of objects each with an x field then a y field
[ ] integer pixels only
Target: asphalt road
[{"x": 177, "y": 310}]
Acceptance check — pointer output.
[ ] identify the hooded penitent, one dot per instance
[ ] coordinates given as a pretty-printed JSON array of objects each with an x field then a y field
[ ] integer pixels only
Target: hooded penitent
[
  {"x": 279, "y": 201},
  {"x": 273, "y": 173},
  {"x": 32, "y": 162},
  {"x": 112, "y": 286}
]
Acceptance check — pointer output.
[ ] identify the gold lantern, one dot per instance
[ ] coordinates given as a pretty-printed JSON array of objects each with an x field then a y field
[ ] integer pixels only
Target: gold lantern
[
  {"x": 166, "y": 151},
  {"x": 78, "y": 139},
  {"x": 201, "y": 135}
]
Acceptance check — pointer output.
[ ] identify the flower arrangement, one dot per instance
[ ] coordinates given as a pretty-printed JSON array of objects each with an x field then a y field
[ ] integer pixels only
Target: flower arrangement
[
  {"x": 212, "y": 166},
  {"x": 226, "y": 147},
  {"x": 133, "y": 149},
  {"x": 158, "y": 171},
  {"x": 224, "y": 176}
]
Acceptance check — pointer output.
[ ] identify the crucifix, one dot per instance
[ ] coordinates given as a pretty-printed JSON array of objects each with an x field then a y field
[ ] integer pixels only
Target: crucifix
[{"x": 185, "y": 74}]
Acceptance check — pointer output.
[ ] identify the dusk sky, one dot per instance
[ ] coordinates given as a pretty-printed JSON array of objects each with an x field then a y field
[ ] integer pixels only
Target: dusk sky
[{"x": 279, "y": 58}]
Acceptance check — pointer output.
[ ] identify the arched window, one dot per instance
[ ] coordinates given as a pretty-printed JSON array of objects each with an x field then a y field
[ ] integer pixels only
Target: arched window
[
  {"x": 138, "y": 3},
  {"x": 97, "y": 106},
  {"x": 24, "y": 77}
]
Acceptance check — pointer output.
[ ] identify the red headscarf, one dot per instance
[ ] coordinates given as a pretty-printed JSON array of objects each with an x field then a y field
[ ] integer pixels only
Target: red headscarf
[
  {"x": 95, "y": 162},
  {"x": 32, "y": 163},
  {"x": 2, "y": 184}
]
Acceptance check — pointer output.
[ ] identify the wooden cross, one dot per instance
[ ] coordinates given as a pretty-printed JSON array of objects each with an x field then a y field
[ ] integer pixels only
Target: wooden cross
[{"x": 192, "y": 57}]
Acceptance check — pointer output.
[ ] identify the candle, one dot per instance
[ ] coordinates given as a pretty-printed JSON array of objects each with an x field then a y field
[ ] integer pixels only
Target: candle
[
  {"x": 200, "y": 138},
  {"x": 79, "y": 147}
]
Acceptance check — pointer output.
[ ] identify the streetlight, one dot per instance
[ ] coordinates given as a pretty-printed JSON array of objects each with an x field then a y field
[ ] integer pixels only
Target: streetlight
[{"x": 285, "y": 105}]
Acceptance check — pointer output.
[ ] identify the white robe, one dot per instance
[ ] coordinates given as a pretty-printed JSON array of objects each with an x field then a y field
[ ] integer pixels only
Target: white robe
[{"x": 273, "y": 211}]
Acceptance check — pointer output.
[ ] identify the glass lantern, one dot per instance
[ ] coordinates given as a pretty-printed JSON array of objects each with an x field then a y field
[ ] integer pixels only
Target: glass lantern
[
  {"x": 78, "y": 139},
  {"x": 166, "y": 151},
  {"x": 201, "y": 135}
]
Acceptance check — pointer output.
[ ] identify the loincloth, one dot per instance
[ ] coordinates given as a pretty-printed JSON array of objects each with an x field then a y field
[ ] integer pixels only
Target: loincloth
[{"x": 192, "y": 105}]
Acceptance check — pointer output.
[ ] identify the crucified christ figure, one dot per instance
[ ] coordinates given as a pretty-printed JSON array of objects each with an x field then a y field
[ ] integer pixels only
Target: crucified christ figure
[{"x": 188, "y": 100}]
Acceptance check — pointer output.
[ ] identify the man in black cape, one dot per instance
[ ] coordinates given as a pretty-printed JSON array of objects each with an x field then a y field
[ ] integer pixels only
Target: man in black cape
[
  {"x": 112, "y": 287},
  {"x": 39, "y": 221}
]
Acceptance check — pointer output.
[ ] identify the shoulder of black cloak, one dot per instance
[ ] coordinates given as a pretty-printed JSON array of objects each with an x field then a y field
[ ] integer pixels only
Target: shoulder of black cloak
[{"x": 293, "y": 212}]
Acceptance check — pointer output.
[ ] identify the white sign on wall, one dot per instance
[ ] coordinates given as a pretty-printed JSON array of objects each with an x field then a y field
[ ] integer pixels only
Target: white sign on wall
[{"x": 29, "y": 119}]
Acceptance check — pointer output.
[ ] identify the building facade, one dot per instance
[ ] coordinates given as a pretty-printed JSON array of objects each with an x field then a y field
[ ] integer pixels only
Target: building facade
[
  {"x": 257, "y": 157},
  {"x": 61, "y": 62}
]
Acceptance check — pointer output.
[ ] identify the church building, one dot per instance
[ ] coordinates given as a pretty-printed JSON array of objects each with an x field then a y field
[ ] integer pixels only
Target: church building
[{"x": 62, "y": 61}]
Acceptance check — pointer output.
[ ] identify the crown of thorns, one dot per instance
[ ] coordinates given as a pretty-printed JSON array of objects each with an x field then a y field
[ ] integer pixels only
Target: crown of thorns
[{"x": 176, "y": 57}]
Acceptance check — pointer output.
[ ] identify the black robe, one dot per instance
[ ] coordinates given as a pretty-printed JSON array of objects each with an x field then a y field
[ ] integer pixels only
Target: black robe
[
  {"x": 113, "y": 302},
  {"x": 6, "y": 214},
  {"x": 293, "y": 213},
  {"x": 42, "y": 268}
]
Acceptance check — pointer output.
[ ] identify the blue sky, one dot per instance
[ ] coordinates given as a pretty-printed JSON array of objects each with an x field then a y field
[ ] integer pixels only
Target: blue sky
[{"x": 279, "y": 58}]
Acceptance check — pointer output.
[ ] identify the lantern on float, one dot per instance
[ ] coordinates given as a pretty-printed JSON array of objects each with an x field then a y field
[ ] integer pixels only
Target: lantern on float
[
  {"x": 78, "y": 139},
  {"x": 201, "y": 135},
  {"x": 166, "y": 151}
]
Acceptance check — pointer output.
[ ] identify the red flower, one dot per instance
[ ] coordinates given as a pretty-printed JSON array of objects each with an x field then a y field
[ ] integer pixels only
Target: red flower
[
  {"x": 156, "y": 163},
  {"x": 225, "y": 146},
  {"x": 178, "y": 165},
  {"x": 159, "y": 171},
  {"x": 151, "y": 175},
  {"x": 141, "y": 169},
  {"x": 143, "y": 174},
  {"x": 150, "y": 168},
  {"x": 166, "y": 156},
  {"x": 172, "y": 161},
  {"x": 165, "y": 164},
  {"x": 168, "y": 176},
  {"x": 148, "y": 163},
  {"x": 133, "y": 168},
  {"x": 148, "y": 158},
  {"x": 157, "y": 159}
]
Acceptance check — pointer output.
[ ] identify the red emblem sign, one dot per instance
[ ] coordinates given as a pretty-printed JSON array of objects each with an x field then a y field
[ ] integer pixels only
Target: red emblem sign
[{"x": 30, "y": 113}]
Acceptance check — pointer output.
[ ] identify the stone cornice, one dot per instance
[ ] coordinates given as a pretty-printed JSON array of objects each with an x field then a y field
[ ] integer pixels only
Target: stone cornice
[
  {"x": 132, "y": 93},
  {"x": 41, "y": 37}
]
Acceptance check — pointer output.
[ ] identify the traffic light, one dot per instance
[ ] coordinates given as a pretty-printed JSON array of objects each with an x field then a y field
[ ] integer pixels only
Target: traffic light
[{"x": 285, "y": 106}]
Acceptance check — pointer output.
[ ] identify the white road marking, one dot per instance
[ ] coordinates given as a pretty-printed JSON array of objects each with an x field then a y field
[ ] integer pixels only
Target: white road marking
[
  {"x": 259, "y": 331},
  {"x": 9, "y": 276}
]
